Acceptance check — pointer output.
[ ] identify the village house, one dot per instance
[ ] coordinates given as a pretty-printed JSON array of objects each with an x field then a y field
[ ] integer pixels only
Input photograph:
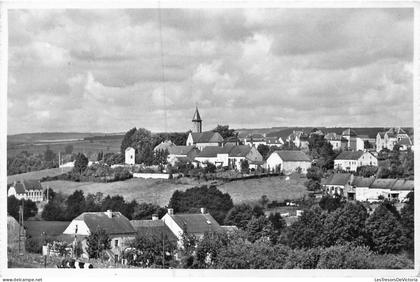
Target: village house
[
  {"x": 352, "y": 141},
  {"x": 288, "y": 162},
  {"x": 254, "y": 140},
  {"x": 196, "y": 224},
  {"x": 182, "y": 153},
  {"x": 274, "y": 141},
  {"x": 164, "y": 145},
  {"x": 116, "y": 225},
  {"x": 388, "y": 139},
  {"x": 367, "y": 188},
  {"x": 336, "y": 183},
  {"x": 230, "y": 156},
  {"x": 300, "y": 139},
  {"x": 27, "y": 190},
  {"x": 130, "y": 156},
  {"x": 350, "y": 161},
  {"x": 337, "y": 142}
]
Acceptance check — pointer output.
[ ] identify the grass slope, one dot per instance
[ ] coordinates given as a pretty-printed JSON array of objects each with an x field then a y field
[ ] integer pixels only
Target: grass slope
[
  {"x": 37, "y": 174},
  {"x": 160, "y": 191}
]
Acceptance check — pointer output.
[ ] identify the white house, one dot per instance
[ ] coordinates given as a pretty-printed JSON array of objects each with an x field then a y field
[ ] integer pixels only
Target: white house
[
  {"x": 116, "y": 225},
  {"x": 194, "y": 223},
  {"x": 274, "y": 141},
  {"x": 254, "y": 140},
  {"x": 288, "y": 161},
  {"x": 27, "y": 190},
  {"x": 204, "y": 139},
  {"x": 350, "y": 161},
  {"x": 130, "y": 156},
  {"x": 337, "y": 141},
  {"x": 177, "y": 153},
  {"x": 336, "y": 183},
  {"x": 370, "y": 189},
  {"x": 392, "y": 137},
  {"x": 229, "y": 156}
]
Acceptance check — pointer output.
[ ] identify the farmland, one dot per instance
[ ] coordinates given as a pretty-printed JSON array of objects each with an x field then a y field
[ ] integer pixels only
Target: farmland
[
  {"x": 160, "y": 191},
  {"x": 37, "y": 174}
]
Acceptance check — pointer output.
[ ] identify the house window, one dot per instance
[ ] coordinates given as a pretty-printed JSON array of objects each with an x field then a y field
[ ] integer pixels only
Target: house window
[{"x": 116, "y": 243}]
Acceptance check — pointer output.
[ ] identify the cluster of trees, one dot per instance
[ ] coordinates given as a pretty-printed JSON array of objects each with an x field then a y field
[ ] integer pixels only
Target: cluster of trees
[
  {"x": 26, "y": 162},
  {"x": 29, "y": 208},
  {"x": 64, "y": 208},
  {"x": 395, "y": 163}
]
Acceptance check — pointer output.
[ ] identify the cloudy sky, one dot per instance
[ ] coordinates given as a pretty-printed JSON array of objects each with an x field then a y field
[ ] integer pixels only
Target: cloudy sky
[{"x": 101, "y": 70}]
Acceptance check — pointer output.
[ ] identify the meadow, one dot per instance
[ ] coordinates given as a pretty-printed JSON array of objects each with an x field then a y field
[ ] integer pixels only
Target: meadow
[
  {"x": 160, "y": 191},
  {"x": 37, "y": 174}
]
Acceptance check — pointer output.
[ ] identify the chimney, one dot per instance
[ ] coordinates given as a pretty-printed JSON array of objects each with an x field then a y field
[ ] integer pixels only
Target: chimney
[
  {"x": 155, "y": 217},
  {"x": 170, "y": 211},
  {"x": 203, "y": 210},
  {"x": 109, "y": 213}
]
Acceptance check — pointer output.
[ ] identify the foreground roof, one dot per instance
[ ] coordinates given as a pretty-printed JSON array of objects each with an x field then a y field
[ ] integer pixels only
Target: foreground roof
[
  {"x": 180, "y": 150},
  {"x": 359, "y": 181},
  {"x": 117, "y": 224},
  {"x": 293, "y": 156},
  {"x": 197, "y": 223},
  {"x": 338, "y": 179},
  {"x": 153, "y": 228}
]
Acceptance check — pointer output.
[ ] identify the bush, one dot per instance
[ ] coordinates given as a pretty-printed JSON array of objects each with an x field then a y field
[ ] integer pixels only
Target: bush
[
  {"x": 345, "y": 257},
  {"x": 303, "y": 259},
  {"x": 33, "y": 245},
  {"x": 390, "y": 261}
]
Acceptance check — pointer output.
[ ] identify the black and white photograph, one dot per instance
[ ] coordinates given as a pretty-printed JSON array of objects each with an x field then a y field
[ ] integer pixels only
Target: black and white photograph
[{"x": 209, "y": 138}]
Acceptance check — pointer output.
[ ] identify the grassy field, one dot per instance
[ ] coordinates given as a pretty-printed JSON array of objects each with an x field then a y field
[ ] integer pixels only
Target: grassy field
[
  {"x": 34, "y": 228},
  {"x": 38, "y": 174},
  {"x": 160, "y": 191},
  {"x": 275, "y": 188}
]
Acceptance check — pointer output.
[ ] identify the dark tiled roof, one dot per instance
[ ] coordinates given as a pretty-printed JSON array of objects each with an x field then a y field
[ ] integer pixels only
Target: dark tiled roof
[
  {"x": 293, "y": 156},
  {"x": 197, "y": 223},
  {"x": 360, "y": 181},
  {"x": 383, "y": 183},
  {"x": 32, "y": 185},
  {"x": 338, "y": 179},
  {"x": 20, "y": 189},
  {"x": 239, "y": 151},
  {"x": 349, "y": 155},
  {"x": 117, "y": 224},
  {"x": 180, "y": 150},
  {"x": 211, "y": 152},
  {"x": 405, "y": 141},
  {"x": 207, "y": 137},
  {"x": 381, "y": 134},
  {"x": 153, "y": 228},
  {"x": 402, "y": 184}
]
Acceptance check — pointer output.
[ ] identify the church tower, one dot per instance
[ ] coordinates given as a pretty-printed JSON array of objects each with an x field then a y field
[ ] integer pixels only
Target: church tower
[{"x": 197, "y": 122}]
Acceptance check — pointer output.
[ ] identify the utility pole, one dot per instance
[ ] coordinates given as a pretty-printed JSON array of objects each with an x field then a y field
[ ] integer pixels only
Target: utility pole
[{"x": 163, "y": 251}]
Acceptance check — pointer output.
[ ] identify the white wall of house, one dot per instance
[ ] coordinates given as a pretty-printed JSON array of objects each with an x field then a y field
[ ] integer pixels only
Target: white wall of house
[
  {"x": 190, "y": 140},
  {"x": 130, "y": 156},
  {"x": 82, "y": 228},
  {"x": 369, "y": 194},
  {"x": 336, "y": 144},
  {"x": 12, "y": 192},
  {"x": 201, "y": 146},
  {"x": 360, "y": 144},
  {"x": 254, "y": 143},
  {"x": 350, "y": 165},
  {"x": 367, "y": 159},
  {"x": 273, "y": 162},
  {"x": 174, "y": 227},
  {"x": 334, "y": 189}
]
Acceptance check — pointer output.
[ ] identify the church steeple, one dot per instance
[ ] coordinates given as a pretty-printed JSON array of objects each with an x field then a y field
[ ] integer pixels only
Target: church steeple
[{"x": 197, "y": 121}]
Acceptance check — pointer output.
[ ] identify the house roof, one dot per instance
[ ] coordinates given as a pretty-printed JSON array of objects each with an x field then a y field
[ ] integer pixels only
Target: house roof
[
  {"x": 383, "y": 183},
  {"x": 229, "y": 228},
  {"x": 239, "y": 151},
  {"x": 117, "y": 224},
  {"x": 232, "y": 150},
  {"x": 196, "y": 116},
  {"x": 211, "y": 152},
  {"x": 196, "y": 223},
  {"x": 349, "y": 155},
  {"x": 19, "y": 188},
  {"x": 129, "y": 148},
  {"x": 293, "y": 156},
  {"x": 32, "y": 185},
  {"x": 381, "y": 134},
  {"x": 153, "y": 228},
  {"x": 338, "y": 179},
  {"x": 349, "y": 132},
  {"x": 359, "y": 181},
  {"x": 273, "y": 140},
  {"x": 164, "y": 145},
  {"x": 180, "y": 150},
  {"x": 206, "y": 137},
  {"x": 405, "y": 141},
  {"x": 255, "y": 137},
  {"x": 402, "y": 184}
]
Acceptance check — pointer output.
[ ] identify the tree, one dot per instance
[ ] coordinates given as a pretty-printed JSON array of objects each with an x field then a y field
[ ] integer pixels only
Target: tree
[
  {"x": 224, "y": 131},
  {"x": 367, "y": 170},
  {"x": 49, "y": 155},
  {"x": 127, "y": 139},
  {"x": 50, "y": 193},
  {"x": 68, "y": 149},
  {"x": 384, "y": 231},
  {"x": 345, "y": 256},
  {"x": 346, "y": 224},
  {"x": 321, "y": 151},
  {"x": 330, "y": 203},
  {"x": 97, "y": 242},
  {"x": 240, "y": 214},
  {"x": 314, "y": 175},
  {"x": 29, "y": 208},
  {"x": 407, "y": 222},
  {"x": 151, "y": 251},
  {"x": 80, "y": 164},
  {"x": 117, "y": 203},
  {"x": 145, "y": 211},
  {"x": 53, "y": 211},
  {"x": 279, "y": 224},
  {"x": 307, "y": 231},
  {"x": 76, "y": 204},
  {"x": 260, "y": 228},
  {"x": 191, "y": 200},
  {"x": 209, "y": 247},
  {"x": 244, "y": 166},
  {"x": 264, "y": 150}
]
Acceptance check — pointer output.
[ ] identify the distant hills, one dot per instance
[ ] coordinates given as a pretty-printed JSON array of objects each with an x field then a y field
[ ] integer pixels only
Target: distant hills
[{"x": 54, "y": 136}]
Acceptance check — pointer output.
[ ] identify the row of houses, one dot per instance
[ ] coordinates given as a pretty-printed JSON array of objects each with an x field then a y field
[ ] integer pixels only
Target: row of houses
[
  {"x": 26, "y": 190},
  {"x": 121, "y": 230},
  {"x": 367, "y": 188}
]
